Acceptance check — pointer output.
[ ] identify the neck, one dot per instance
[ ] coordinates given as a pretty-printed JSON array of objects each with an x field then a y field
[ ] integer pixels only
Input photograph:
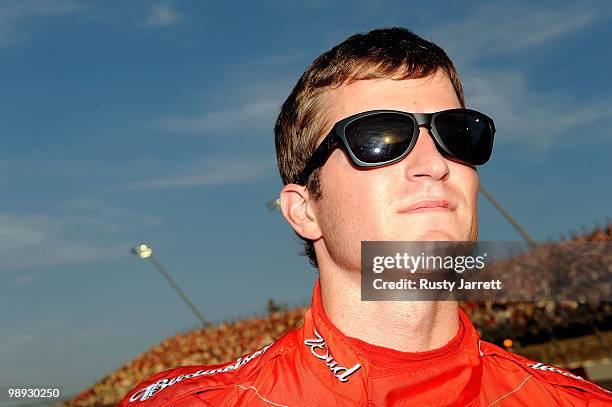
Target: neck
[{"x": 407, "y": 326}]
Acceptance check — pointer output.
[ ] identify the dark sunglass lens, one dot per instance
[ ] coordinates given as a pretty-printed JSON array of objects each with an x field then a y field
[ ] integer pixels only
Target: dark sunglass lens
[
  {"x": 381, "y": 137},
  {"x": 467, "y": 135}
]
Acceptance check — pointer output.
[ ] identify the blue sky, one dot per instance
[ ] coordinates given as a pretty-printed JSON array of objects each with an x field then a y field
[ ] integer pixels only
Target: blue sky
[{"x": 124, "y": 122}]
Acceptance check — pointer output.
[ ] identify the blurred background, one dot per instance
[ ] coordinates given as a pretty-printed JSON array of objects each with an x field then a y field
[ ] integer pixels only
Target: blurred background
[{"x": 152, "y": 121}]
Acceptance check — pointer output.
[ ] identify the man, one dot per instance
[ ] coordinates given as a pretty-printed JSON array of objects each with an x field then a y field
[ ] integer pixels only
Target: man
[{"x": 354, "y": 173}]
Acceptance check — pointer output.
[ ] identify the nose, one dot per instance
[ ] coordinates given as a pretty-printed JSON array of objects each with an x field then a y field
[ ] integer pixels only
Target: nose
[{"x": 425, "y": 161}]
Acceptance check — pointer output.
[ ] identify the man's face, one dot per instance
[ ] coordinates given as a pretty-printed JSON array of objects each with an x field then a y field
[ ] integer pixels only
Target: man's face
[{"x": 375, "y": 204}]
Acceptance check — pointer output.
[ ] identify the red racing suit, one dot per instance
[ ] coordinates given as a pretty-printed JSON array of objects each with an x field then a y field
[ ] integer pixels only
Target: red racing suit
[{"x": 317, "y": 365}]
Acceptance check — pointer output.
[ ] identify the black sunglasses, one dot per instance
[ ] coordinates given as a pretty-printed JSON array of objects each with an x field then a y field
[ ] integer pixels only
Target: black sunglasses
[{"x": 381, "y": 137}]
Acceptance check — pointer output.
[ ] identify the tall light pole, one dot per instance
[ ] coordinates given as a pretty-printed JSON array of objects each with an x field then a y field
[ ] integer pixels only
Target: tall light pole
[
  {"x": 144, "y": 252},
  {"x": 521, "y": 231}
]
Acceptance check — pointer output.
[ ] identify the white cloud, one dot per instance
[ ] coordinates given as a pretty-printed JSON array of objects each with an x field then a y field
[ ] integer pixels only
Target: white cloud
[
  {"x": 496, "y": 28},
  {"x": 163, "y": 15},
  {"x": 282, "y": 58},
  {"x": 534, "y": 119},
  {"x": 248, "y": 105},
  {"x": 17, "y": 233},
  {"x": 245, "y": 118},
  {"x": 40, "y": 241},
  {"x": 14, "y": 14},
  {"x": 98, "y": 214},
  {"x": 90, "y": 230},
  {"x": 218, "y": 171}
]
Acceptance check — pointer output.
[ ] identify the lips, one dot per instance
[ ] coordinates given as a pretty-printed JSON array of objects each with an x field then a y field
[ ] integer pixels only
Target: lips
[{"x": 429, "y": 205}]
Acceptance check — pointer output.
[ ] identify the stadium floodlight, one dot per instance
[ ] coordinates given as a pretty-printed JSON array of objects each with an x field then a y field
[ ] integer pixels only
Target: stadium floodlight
[
  {"x": 145, "y": 252},
  {"x": 273, "y": 204}
]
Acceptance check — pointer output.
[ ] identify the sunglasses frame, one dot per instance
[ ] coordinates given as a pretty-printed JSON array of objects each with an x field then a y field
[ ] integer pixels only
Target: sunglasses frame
[{"x": 337, "y": 137}]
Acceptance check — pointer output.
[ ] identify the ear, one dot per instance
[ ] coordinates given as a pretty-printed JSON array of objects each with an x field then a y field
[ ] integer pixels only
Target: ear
[{"x": 296, "y": 204}]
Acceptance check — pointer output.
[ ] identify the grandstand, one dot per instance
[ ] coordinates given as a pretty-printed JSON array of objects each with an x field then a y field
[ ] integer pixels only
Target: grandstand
[{"x": 570, "y": 334}]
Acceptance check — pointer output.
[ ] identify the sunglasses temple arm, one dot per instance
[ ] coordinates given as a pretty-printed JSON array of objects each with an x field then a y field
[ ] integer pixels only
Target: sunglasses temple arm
[{"x": 317, "y": 159}]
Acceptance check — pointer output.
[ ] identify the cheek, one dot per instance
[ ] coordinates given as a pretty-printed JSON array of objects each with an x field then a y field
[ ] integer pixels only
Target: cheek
[
  {"x": 352, "y": 207},
  {"x": 466, "y": 184},
  {"x": 352, "y": 198},
  {"x": 348, "y": 213}
]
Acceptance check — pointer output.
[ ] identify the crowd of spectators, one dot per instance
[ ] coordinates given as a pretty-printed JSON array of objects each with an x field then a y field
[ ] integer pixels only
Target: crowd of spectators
[
  {"x": 523, "y": 322},
  {"x": 211, "y": 345},
  {"x": 527, "y": 323},
  {"x": 565, "y": 288}
]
